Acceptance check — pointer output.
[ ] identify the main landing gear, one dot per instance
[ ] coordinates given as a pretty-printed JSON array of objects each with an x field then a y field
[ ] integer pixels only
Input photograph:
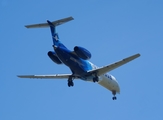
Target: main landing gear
[
  {"x": 114, "y": 97},
  {"x": 95, "y": 79},
  {"x": 70, "y": 82}
]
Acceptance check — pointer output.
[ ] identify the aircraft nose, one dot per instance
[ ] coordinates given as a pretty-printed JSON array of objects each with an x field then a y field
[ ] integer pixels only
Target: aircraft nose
[
  {"x": 116, "y": 85},
  {"x": 117, "y": 88}
]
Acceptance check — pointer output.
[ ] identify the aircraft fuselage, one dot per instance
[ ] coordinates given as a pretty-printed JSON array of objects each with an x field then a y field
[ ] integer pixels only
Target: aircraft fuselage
[
  {"x": 77, "y": 65},
  {"x": 80, "y": 67}
]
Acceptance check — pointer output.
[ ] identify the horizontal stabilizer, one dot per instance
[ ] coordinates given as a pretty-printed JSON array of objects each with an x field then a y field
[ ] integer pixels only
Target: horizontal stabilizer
[{"x": 55, "y": 23}]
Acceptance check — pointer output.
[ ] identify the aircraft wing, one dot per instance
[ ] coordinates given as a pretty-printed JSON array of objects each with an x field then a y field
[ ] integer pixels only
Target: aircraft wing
[
  {"x": 105, "y": 69},
  {"x": 99, "y": 71},
  {"x": 55, "y": 76}
]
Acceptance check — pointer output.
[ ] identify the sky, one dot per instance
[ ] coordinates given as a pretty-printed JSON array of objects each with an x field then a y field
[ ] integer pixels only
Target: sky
[{"x": 111, "y": 30}]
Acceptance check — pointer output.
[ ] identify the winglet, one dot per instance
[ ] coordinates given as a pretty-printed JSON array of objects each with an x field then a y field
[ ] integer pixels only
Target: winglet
[{"x": 55, "y": 23}]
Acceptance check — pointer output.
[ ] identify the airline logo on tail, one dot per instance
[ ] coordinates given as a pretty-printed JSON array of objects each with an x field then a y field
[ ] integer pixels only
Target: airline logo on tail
[{"x": 56, "y": 37}]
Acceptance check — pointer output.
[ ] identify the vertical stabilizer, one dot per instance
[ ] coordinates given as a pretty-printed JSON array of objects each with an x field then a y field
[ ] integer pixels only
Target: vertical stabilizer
[
  {"x": 55, "y": 36},
  {"x": 52, "y": 26}
]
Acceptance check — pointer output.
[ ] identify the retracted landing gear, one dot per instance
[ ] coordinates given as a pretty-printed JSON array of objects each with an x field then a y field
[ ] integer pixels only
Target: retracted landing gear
[
  {"x": 114, "y": 97},
  {"x": 70, "y": 82}
]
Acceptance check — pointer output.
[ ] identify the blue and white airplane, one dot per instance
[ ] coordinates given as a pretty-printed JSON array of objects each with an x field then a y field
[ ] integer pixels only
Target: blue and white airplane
[{"x": 77, "y": 61}]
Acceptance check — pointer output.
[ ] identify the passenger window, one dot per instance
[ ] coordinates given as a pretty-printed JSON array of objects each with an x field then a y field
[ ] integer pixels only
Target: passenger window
[{"x": 111, "y": 77}]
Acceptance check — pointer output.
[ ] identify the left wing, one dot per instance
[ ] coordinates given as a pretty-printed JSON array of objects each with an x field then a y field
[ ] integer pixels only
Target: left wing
[{"x": 55, "y": 76}]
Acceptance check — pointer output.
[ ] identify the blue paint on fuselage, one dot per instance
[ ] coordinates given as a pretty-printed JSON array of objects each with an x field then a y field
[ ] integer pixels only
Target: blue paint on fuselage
[{"x": 76, "y": 64}]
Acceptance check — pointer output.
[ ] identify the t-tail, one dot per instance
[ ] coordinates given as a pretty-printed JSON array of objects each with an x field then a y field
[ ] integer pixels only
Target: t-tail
[
  {"x": 52, "y": 26},
  {"x": 55, "y": 36}
]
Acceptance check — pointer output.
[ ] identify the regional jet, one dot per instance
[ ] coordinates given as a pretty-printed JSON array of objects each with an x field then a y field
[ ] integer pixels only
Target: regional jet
[{"x": 78, "y": 62}]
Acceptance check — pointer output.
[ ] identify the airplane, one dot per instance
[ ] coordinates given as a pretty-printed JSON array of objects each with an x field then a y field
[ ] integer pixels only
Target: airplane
[{"x": 78, "y": 62}]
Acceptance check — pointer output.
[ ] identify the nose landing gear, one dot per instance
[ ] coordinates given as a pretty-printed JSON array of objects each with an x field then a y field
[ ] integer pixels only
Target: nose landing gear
[{"x": 114, "y": 97}]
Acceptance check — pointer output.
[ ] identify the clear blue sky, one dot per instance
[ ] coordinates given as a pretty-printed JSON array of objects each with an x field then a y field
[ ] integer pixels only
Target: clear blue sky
[{"x": 111, "y": 30}]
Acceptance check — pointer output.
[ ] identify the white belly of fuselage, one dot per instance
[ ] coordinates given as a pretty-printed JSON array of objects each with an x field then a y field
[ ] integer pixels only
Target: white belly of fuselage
[{"x": 109, "y": 83}]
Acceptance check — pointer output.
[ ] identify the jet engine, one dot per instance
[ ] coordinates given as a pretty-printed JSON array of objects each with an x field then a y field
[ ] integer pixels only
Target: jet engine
[
  {"x": 54, "y": 57},
  {"x": 82, "y": 52}
]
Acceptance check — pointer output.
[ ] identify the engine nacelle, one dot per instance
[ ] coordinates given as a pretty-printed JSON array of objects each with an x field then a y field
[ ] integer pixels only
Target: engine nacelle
[
  {"x": 82, "y": 52},
  {"x": 54, "y": 57}
]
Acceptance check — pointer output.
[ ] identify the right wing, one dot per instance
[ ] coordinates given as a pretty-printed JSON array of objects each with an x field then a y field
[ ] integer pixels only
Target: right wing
[
  {"x": 55, "y": 76},
  {"x": 105, "y": 69}
]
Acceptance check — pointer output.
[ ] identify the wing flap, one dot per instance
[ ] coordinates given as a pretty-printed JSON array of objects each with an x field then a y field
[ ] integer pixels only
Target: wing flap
[{"x": 105, "y": 69}]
